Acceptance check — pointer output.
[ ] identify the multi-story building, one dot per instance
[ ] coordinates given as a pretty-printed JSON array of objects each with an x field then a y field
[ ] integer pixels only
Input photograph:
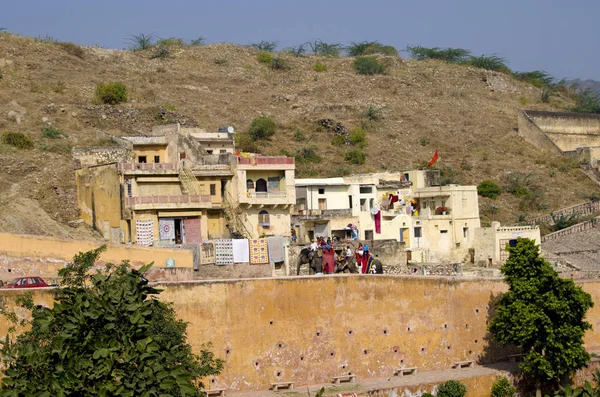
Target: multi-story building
[
  {"x": 181, "y": 186},
  {"x": 434, "y": 222}
]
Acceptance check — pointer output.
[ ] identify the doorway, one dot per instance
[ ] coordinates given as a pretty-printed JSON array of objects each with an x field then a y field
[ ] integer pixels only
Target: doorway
[{"x": 179, "y": 231}]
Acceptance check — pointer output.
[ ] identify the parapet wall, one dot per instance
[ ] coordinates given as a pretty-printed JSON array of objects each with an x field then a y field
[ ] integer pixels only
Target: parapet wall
[
  {"x": 567, "y": 131},
  {"x": 309, "y": 329},
  {"x": 26, "y": 255}
]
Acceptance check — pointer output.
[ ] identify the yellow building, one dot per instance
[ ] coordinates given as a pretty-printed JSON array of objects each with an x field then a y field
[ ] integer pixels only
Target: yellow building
[
  {"x": 168, "y": 188},
  {"x": 435, "y": 223}
]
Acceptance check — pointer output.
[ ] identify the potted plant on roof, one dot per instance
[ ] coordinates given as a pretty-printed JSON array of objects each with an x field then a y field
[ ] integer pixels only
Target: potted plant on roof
[{"x": 442, "y": 210}]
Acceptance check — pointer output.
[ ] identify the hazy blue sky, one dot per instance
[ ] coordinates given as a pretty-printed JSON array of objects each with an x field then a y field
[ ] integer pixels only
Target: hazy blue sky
[{"x": 558, "y": 36}]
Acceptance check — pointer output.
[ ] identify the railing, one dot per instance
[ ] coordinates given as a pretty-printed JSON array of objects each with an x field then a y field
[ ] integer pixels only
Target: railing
[
  {"x": 204, "y": 198},
  {"x": 329, "y": 213},
  {"x": 265, "y": 160},
  {"x": 267, "y": 194},
  {"x": 146, "y": 166}
]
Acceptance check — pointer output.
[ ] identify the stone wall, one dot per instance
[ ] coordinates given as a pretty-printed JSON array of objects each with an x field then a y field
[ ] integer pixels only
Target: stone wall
[
  {"x": 309, "y": 329},
  {"x": 571, "y": 230},
  {"x": 534, "y": 135},
  {"x": 583, "y": 209},
  {"x": 92, "y": 156}
]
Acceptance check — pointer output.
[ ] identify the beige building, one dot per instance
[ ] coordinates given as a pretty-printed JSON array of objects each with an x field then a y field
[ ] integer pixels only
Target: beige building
[
  {"x": 173, "y": 187},
  {"x": 435, "y": 223},
  {"x": 491, "y": 242}
]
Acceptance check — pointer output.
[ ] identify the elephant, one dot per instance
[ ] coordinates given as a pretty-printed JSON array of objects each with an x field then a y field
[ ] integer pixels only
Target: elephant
[
  {"x": 342, "y": 264},
  {"x": 307, "y": 256}
]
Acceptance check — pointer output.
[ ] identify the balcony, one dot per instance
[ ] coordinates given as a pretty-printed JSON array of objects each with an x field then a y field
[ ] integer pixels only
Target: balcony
[
  {"x": 266, "y": 198},
  {"x": 308, "y": 215},
  {"x": 266, "y": 162},
  {"x": 146, "y": 168},
  {"x": 169, "y": 202}
]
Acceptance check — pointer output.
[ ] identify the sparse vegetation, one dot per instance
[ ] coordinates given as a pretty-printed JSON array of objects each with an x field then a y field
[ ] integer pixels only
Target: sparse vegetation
[
  {"x": 245, "y": 143},
  {"x": 489, "y": 62},
  {"x": 308, "y": 155},
  {"x": 140, "y": 42},
  {"x": 319, "y": 47},
  {"x": 53, "y": 133},
  {"x": 197, "y": 42},
  {"x": 373, "y": 113},
  {"x": 267, "y": 46},
  {"x": 451, "y": 388},
  {"x": 424, "y": 141},
  {"x": 72, "y": 49},
  {"x": 46, "y": 39},
  {"x": 368, "y": 65},
  {"x": 111, "y": 93},
  {"x": 170, "y": 107},
  {"x": 355, "y": 156},
  {"x": 564, "y": 221},
  {"x": 279, "y": 63},
  {"x": 503, "y": 388},
  {"x": 299, "y": 136},
  {"x": 537, "y": 78},
  {"x": 160, "y": 52},
  {"x": 262, "y": 127},
  {"x": 220, "y": 61},
  {"x": 297, "y": 51},
  {"x": 489, "y": 189},
  {"x": 548, "y": 93},
  {"x": 450, "y": 55},
  {"x": 17, "y": 139},
  {"x": 586, "y": 101},
  {"x": 319, "y": 67},
  {"x": 264, "y": 57}
]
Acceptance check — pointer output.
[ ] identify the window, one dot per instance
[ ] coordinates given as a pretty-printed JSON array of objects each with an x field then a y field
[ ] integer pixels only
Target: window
[
  {"x": 465, "y": 232},
  {"x": 249, "y": 184},
  {"x": 213, "y": 189},
  {"x": 350, "y": 202},
  {"x": 223, "y": 151},
  {"x": 443, "y": 231},
  {"x": 512, "y": 243},
  {"x": 322, "y": 204},
  {"x": 129, "y": 188},
  {"x": 261, "y": 185},
  {"x": 366, "y": 189},
  {"x": 417, "y": 231},
  {"x": 363, "y": 205},
  {"x": 321, "y": 191},
  {"x": 181, "y": 156},
  {"x": 141, "y": 159},
  {"x": 157, "y": 159},
  {"x": 368, "y": 234},
  {"x": 263, "y": 219},
  {"x": 209, "y": 151}
]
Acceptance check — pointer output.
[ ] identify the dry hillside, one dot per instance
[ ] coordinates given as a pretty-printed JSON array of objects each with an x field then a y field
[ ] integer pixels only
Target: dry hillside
[{"x": 468, "y": 114}]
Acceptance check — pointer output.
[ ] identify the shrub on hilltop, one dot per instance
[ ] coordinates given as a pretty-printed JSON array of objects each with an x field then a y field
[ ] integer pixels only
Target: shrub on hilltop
[{"x": 111, "y": 93}]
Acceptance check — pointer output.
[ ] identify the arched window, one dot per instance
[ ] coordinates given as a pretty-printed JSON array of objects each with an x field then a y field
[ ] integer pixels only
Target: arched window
[
  {"x": 261, "y": 185},
  {"x": 249, "y": 184},
  {"x": 263, "y": 219}
]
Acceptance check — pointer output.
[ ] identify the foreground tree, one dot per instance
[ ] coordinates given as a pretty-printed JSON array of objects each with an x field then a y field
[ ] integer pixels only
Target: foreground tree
[
  {"x": 542, "y": 314},
  {"x": 105, "y": 336}
]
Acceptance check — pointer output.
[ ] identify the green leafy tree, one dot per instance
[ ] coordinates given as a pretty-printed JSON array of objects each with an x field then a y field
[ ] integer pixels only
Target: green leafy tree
[
  {"x": 489, "y": 189},
  {"x": 451, "y": 388},
  {"x": 105, "y": 336},
  {"x": 542, "y": 314}
]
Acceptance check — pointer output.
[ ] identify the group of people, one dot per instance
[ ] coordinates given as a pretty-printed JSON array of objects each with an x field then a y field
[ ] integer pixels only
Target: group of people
[{"x": 366, "y": 263}]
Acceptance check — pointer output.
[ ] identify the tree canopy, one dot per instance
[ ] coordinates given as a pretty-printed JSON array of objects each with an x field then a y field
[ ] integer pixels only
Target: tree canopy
[
  {"x": 543, "y": 314},
  {"x": 106, "y": 335}
]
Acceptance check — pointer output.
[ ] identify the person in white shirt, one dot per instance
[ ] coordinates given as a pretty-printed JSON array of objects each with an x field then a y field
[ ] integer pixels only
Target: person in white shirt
[{"x": 313, "y": 246}]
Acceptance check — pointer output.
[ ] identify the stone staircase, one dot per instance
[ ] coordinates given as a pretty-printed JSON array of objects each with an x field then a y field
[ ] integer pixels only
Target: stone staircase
[
  {"x": 188, "y": 180},
  {"x": 236, "y": 218}
]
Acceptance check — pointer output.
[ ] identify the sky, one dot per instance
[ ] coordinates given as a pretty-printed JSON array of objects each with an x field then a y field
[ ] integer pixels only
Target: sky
[{"x": 560, "y": 37}]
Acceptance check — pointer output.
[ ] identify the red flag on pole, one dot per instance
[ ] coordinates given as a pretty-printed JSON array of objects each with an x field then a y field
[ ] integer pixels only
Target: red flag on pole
[{"x": 433, "y": 159}]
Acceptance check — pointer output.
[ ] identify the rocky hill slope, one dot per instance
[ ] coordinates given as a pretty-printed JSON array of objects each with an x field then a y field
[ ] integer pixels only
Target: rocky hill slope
[{"x": 468, "y": 114}]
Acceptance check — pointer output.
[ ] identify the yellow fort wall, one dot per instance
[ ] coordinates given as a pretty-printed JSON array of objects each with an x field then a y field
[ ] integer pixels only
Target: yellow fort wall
[{"x": 309, "y": 329}]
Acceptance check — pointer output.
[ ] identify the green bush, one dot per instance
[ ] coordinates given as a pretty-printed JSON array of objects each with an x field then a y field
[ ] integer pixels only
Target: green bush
[
  {"x": 140, "y": 41},
  {"x": 17, "y": 139},
  {"x": 373, "y": 113},
  {"x": 489, "y": 189},
  {"x": 197, "y": 42},
  {"x": 53, "y": 133},
  {"x": 370, "y": 48},
  {"x": 111, "y": 93},
  {"x": 368, "y": 66},
  {"x": 358, "y": 137},
  {"x": 170, "y": 42},
  {"x": 279, "y": 63},
  {"x": 299, "y": 136},
  {"x": 450, "y": 55},
  {"x": 264, "y": 57},
  {"x": 586, "y": 101},
  {"x": 338, "y": 140},
  {"x": 262, "y": 127},
  {"x": 451, "y": 388},
  {"x": 503, "y": 388},
  {"x": 489, "y": 62},
  {"x": 319, "y": 67},
  {"x": 308, "y": 155},
  {"x": 355, "y": 156},
  {"x": 319, "y": 47},
  {"x": 537, "y": 78},
  {"x": 161, "y": 52},
  {"x": 296, "y": 51},
  {"x": 521, "y": 191}
]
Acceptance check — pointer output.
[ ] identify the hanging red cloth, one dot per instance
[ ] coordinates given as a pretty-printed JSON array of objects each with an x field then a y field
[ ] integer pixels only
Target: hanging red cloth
[
  {"x": 378, "y": 222},
  {"x": 433, "y": 159}
]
